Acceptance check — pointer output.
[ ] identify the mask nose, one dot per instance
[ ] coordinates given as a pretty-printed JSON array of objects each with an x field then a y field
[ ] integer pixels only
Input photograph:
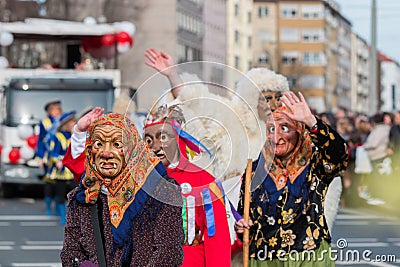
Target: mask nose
[{"x": 106, "y": 153}]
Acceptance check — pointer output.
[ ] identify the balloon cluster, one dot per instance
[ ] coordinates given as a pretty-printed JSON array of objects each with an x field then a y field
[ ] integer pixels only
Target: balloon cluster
[
  {"x": 104, "y": 46},
  {"x": 27, "y": 151},
  {"x": 6, "y": 39}
]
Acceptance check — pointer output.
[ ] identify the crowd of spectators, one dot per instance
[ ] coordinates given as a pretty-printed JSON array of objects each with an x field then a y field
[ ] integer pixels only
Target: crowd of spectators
[{"x": 379, "y": 136}]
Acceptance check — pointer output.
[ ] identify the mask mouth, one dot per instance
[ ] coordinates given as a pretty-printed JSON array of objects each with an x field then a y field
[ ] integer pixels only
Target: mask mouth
[
  {"x": 108, "y": 165},
  {"x": 160, "y": 154}
]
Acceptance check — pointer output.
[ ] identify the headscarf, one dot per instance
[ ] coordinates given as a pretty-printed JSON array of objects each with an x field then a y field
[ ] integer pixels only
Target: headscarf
[
  {"x": 123, "y": 189},
  {"x": 189, "y": 146},
  {"x": 299, "y": 159}
]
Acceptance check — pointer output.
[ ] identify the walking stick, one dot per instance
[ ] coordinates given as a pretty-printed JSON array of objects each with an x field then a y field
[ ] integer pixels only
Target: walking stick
[{"x": 246, "y": 213}]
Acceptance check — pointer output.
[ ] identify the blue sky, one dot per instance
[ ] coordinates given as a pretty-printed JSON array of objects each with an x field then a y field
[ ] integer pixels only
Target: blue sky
[{"x": 388, "y": 15}]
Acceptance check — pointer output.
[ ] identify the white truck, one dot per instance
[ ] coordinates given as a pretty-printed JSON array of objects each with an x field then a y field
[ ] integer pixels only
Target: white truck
[
  {"x": 23, "y": 95},
  {"x": 23, "y": 91}
]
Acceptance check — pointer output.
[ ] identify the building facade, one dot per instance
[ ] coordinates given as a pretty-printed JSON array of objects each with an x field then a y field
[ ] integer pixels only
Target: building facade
[
  {"x": 360, "y": 83},
  {"x": 389, "y": 84},
  {"x": 309, "y": 42}
]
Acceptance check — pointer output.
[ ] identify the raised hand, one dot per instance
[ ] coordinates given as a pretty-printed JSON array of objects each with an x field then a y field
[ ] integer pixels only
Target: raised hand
[
  {"x": 160, "y": 61},
  {"x": 300, "y": 111},
  {"x": 84, "y": 122}
]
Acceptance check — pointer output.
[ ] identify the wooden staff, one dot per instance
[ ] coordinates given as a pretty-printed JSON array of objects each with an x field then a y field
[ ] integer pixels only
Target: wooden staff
[{"x": 246, "y": 213}]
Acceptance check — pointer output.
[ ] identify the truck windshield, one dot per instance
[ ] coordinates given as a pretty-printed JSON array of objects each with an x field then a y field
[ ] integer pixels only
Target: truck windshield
[{"x": 26, "y": 106}]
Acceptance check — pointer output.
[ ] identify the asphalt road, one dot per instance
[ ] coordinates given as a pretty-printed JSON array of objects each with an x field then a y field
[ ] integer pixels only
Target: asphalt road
[{"x": 28, "y": 238}]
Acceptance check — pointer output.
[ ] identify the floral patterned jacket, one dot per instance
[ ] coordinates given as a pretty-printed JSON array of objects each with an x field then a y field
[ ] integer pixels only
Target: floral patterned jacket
[{"x": 292, "y": 218}]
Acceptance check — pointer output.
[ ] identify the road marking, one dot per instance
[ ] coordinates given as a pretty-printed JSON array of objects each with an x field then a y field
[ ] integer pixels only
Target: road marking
[
  {"x": 6, "y": 248},
  {"x": 393, "y": 239},
  {"x": 351, "y": 223},
  {"x": 389, "y": 223},
  {"x": 38, "y": 224},
  {"x": 5, "y": 224},
  {"x": 29, "y": 242},
  {"x": 38, "y": 264},
  {"x": 355, "y": 216},
  {"x": 361, "y": 239},
  {"x": 29, "y": 247},
  {"x": 27, "y": 218},
  {"x": 7, "y": 243}
]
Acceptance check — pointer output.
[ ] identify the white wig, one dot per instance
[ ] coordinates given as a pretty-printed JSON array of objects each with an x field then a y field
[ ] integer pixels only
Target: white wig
[{"x": 259, "y": 80}]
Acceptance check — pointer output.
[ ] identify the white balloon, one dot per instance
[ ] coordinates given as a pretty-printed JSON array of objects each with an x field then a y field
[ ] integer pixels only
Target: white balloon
[
  {"x": 27, "y": 152},
  {"x": 126, "y": 26},
  {"x": 24, "y": 131},
  {"x": 89, "y": 20},
  {"x": 3, "y": 62},
  {"x": 6, "y": 38},
  {"x": 123, "y": 47}
]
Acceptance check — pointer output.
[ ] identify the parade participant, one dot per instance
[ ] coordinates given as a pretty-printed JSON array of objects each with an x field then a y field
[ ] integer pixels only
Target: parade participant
[
  {"x": 57, "y": 173},
  {"x": 47, "y": 128},
  {"x": 121, "y": 180},
  {"x": 264, "y": 98},
  {"x": 207, "y": 237},
  {"x": 286, "y": 207}
]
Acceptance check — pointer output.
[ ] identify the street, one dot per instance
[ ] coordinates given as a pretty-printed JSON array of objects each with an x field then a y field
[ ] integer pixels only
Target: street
[{"x": 361, "y": 237}]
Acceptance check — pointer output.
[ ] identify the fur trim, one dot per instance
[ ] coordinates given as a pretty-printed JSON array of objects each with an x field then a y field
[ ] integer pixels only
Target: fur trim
[{"x": 332, "y": 199}]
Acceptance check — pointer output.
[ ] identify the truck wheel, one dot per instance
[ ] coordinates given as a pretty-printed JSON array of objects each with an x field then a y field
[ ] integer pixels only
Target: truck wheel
[{"x": 8, "y": 190}]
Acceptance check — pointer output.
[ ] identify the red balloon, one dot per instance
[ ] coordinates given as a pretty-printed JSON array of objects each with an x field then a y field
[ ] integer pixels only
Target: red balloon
[
  {"x": 107, "y": 39},
  {"x": 14, "y": 155},
  {"x": 124, "y": 37},
  {"x": 32, "y": 141}
]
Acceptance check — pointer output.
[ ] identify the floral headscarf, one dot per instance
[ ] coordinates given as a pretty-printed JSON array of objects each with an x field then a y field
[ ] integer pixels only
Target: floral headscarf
[
  {"x": 299, "y": 159},
  {"x": 140, "y": 161}
]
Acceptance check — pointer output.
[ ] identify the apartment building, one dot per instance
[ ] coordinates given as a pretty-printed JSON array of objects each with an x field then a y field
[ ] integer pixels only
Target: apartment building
[
  {"x": 360, "y": 83},
  {"x": 389, "y": 84},
  {"x": 311, "y": 46},
  {"x": 239, "y": 34}
]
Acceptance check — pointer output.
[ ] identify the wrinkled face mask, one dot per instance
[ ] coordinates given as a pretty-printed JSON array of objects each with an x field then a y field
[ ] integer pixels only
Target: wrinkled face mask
[
  {"x": 161, "y": 139},
  {"x": 282, "y": 135},
  {"x": 107, "y": 150}
]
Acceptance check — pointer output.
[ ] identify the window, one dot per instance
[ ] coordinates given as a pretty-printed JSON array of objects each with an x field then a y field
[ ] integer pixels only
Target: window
[
  {"x": 289, "y": 11},
  {"x": 312, "y": 81},
  {"x": 249, "y": 65},
  {"x": 262, "y": 12},
  {"x": 290, "y": 57},
  {"x": 237, "y": 62},
  {"x": 248, "y": 17},
  {"x": 236, "y": 10},
  {"x": 237, "y": 36},
  {"x": 249, "y": 41},
  {"x": 314, "y": 59},
  {"x": 289, "y": 35},
  {"x": 190, "y": 23},
  {"x": 312, "y": 35},
  {"x": 312, "y": 11},
  {"x": 263, "y": 59},
  {"x": 292, "y": 80}
]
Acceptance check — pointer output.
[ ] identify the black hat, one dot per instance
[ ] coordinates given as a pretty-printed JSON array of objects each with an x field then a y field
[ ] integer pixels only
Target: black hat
[{"x": 55, "y": 101}]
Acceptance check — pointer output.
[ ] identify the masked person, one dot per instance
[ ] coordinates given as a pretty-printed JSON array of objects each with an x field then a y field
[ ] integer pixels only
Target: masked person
[
  {"x": 117, "y": 204},
  {"x": 289, "y": 185},
  {"x": 207, "y": 236},
  {"x": 262, "y": 90}
]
